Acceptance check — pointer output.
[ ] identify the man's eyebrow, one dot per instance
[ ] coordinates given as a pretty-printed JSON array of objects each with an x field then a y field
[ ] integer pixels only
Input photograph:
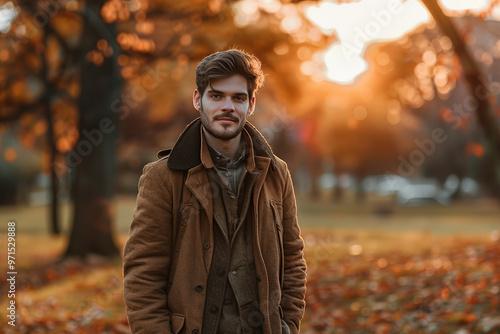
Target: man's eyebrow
[
  {"x": 215, "y": 91},
  {"x": 211, "y": 91}
]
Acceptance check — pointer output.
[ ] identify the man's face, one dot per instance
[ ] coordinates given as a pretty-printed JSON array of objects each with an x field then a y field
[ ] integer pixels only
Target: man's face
[{"x": 224, "y": 106}]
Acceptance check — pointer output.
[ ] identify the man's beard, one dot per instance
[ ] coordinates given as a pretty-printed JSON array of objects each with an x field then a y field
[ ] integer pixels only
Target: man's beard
[{"x": 224, "y": 134}]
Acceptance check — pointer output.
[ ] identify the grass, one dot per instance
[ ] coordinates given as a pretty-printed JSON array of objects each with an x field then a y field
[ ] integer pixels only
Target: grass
[{"x": 478, "y": 216}]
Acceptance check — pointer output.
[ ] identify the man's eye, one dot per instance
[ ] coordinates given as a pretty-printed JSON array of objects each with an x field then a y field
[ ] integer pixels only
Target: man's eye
[
  {"x": 215, "y": 96},
  {"x": 240, "y": 99}
]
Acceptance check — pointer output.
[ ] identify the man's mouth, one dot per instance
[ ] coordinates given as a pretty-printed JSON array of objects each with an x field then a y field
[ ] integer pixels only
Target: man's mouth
[{"x": 225, "y": 119}]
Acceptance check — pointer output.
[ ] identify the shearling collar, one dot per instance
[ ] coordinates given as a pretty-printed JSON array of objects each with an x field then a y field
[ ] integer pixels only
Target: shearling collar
[{"x": 186, "y": 151}]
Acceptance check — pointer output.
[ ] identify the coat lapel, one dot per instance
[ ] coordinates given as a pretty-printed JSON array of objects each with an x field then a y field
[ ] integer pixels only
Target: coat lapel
[
  {"x": 261, "y": 169},
  {"x": 197, "y": 183}
]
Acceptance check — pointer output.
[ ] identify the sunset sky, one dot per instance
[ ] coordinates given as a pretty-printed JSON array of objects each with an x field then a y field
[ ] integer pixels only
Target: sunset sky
[{"x": 358, "y": 24}]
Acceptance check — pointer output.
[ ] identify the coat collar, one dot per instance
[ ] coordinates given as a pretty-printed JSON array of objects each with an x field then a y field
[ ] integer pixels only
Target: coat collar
[{"x": 186, "y": 152}]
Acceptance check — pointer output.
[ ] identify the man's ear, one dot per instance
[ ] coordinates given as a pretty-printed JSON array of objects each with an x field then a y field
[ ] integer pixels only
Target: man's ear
[
  {"x": 251, "y": 108},
  {"x": 197, "y": 100}
]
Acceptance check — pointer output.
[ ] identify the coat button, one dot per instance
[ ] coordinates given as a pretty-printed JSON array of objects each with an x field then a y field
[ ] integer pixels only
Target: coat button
[
  {"x": 206, "y": 245},
  {"x": 228, "y": 302},
  {"x": 259, "y": 279},
  {"x": 234, "y": 272},
  {"x": 220, "y": 272},
  {"x": 214, "y": 309},
  {"x": 195, "y": 331},
  {"x": 199, "y": 288}
]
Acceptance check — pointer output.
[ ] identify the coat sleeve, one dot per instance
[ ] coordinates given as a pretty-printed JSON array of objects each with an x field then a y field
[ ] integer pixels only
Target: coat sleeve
[
  {"x": 146, "y": 256},
  {"x": 294, "y": 280}
]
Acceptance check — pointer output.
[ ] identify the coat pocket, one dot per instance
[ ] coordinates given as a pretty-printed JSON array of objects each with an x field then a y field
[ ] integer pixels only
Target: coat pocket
[
  {"x": 277, "y": 209},
  {"x": 177, "y": 322}
]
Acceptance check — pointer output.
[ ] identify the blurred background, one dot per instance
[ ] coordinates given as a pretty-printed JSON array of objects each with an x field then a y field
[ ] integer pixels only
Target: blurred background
[{"x": 385, "y": 111}]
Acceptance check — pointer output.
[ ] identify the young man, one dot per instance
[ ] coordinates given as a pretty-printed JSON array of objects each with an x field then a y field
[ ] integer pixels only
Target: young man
[{"x": 214, "y": 244}]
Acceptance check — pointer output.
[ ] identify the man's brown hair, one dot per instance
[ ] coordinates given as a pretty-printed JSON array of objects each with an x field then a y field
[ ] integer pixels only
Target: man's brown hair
[{"x": 224, "y": 64}]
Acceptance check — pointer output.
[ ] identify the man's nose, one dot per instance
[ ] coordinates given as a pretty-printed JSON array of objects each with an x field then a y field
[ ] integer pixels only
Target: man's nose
[{"x": 228, "y": 104}]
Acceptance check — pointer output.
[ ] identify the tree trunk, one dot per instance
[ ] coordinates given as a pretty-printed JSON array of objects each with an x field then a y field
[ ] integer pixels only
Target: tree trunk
[
  {"x": 54, "y": 189},
  {"x": 476, "y": 81},
  {"x": 95, "y": 153}
]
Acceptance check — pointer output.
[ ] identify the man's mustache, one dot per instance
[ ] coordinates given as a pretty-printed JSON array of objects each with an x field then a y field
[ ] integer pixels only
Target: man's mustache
[{"x": 227, "y": 115}]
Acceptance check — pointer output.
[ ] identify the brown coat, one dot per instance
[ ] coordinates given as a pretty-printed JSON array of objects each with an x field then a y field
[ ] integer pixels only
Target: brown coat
[{"x": 167, "y": 257}]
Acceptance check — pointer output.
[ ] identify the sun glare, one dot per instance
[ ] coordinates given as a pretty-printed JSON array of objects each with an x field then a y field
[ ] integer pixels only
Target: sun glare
[
  {"x": 7, "y": 14},
  {"x": 359, "y": 24},
  {"x": 463, "y": 5},
  {"x": 341, "y": 68}
]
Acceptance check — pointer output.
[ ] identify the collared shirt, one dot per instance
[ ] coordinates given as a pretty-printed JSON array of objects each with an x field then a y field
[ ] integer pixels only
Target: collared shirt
[
  {"x": 206, "y": 158},
  {"x": 230, "y": 170}
]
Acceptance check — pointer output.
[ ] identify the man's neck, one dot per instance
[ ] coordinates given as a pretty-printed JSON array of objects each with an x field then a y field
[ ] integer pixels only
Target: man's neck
[{"x": 227, "y": 147}]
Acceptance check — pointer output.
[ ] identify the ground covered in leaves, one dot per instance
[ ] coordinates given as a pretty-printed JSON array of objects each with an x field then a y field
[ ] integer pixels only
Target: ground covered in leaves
[
  {"x": 450, "y": 285},
  {"x": 369, "y": 278},
  {"x": 356, "y": 284}
]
